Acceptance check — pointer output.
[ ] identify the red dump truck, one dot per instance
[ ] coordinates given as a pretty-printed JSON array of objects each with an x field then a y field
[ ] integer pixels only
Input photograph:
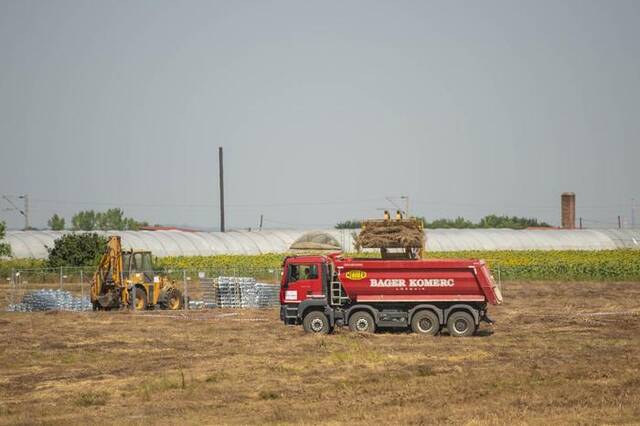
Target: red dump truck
[{"x": 321, "y": 292}]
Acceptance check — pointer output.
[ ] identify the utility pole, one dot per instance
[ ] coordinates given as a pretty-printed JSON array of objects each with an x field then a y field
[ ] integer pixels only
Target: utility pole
[
  {"x": 633, "y": 213},
  {"x": 220, "y": 166},
  {"x": 261, "y": 217},
  {"x": 27, "y": 224},
  {"x": 24, "y": 212},
  {"x": 406, "y": 205},
  {"x": 619, "y": 222}
]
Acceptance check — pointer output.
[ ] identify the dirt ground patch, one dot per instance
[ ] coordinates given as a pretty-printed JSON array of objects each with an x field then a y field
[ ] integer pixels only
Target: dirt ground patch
[{"x": 559, "y": 353}]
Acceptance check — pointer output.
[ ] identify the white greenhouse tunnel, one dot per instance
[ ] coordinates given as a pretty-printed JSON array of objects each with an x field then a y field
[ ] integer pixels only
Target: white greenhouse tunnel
[{"x": 33, "y": 244}]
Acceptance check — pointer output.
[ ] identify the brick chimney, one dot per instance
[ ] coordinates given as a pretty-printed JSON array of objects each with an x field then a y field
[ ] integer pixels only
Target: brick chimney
[{"x": 568, "y": 203}]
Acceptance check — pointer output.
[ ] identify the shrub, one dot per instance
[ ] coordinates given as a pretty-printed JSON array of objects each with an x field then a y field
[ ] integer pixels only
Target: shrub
[
  {"x": 5, "y": 248},
  {"x": 76, "y": 250}
]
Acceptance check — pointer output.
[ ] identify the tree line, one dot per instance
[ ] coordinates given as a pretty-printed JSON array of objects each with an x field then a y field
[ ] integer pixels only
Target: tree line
[
  {"x": 489, "y": 221},
  {"x": 90, "y": 220}
]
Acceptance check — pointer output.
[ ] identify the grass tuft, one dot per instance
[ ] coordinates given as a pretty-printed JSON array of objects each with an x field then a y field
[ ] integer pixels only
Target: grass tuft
[
  {"x": 269, "y": 394},
  {"x": 424, "y": 371},
  {"x": 91, "y": 399}
]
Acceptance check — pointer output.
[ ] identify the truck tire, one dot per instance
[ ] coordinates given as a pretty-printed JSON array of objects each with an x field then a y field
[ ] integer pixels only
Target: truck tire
[
  {"x": 362, "y": 322},
  {"x": 461, "y": 324},
  {"x": 425, "y": 322},
  {"x": 315, "y": 322}
]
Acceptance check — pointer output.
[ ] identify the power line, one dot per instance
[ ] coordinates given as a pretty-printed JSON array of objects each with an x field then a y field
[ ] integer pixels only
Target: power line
[
  {"x": 275, "y": 222},
  {"x": 204, "y": 205},
  {"x": 24, "y": 212}
]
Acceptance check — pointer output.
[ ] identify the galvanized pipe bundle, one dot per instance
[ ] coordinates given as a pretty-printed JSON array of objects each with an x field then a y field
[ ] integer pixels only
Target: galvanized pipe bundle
[
  {"x": 51, "y": 300},
  {"x": 236, "y": 292}
]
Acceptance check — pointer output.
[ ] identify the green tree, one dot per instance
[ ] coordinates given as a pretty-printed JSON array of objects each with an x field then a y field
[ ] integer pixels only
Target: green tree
[
  {"x": 76, "y": 250},
  {"x": 134, "y": 225},
  {"x": 513, "y": 222},
  {"x": 349, "y": 224},
  {"x": 457, "y": 223},
  {"x": 112, "y": 219},
  {"x": 56, "y": 223},
  {"x": 84, "y": 221},
  {"x": 489, "y": 221},
  {"x": 5, "y": 248}
]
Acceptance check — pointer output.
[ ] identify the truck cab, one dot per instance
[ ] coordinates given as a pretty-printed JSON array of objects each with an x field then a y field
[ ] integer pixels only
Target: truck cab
[
  {"x": 305, "y": 284},
  {"x": 304, "y": 277}
]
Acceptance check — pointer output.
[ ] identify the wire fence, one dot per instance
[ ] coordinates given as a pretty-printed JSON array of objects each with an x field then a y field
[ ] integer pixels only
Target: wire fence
[{"x": 69, "y": 288}]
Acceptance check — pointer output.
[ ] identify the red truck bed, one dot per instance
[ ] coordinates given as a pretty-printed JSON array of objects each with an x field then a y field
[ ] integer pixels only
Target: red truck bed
[{"x": 375, "y": 280}]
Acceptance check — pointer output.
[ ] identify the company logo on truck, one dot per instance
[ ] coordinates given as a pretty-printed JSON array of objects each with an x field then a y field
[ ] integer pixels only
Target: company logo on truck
[
  {"x": 356, "y": 275},
  {"x": 414, "y": 282}
]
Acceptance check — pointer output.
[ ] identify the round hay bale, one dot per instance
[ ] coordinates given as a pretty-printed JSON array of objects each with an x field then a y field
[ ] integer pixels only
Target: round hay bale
[{"x": 316, "y": 240}]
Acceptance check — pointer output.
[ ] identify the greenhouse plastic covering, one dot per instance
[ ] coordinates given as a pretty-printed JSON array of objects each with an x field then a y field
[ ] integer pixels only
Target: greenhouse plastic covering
[{"x": 33, "y": 244}]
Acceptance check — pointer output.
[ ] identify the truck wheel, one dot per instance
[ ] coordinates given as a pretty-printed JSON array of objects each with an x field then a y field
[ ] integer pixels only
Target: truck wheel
[
  {"x": 316, "y": 322},
  {"x": 461, "y": 324},
  {"x": 425, "y": 322},
  {"x": 362, "y": 322}
]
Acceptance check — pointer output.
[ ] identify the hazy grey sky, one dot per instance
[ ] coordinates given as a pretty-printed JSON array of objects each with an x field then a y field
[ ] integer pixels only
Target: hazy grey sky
[{"x": 323, "y": 108}]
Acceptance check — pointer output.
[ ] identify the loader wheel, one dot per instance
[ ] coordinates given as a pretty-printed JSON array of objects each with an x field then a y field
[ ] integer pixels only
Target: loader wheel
[
  {"x": 425, "y": 322},
  {"x": 362, "y": 322},
  {"x": 141, "y": 299},
  {"x": 316, "y": 322},
  {"x": 174, "y": 299},
  {"x": 461, "y": 324}
]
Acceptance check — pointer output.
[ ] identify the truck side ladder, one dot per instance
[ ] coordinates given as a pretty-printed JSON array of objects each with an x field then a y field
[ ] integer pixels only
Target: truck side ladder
[{"x": 337, "y": 295}]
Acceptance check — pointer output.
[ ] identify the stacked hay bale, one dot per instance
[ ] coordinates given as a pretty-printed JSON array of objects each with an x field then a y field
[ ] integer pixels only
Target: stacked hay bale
[{"x": 404, "y": 234}]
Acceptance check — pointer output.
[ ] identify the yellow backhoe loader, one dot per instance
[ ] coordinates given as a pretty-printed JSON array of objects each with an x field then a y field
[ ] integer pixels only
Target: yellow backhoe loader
[{"x": 121, "y": 272}]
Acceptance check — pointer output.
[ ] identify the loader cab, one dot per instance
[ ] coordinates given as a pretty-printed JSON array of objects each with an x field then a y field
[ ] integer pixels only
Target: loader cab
[
  {"x": 137, "y": 262},
  {"x": 303, "y": 277}
]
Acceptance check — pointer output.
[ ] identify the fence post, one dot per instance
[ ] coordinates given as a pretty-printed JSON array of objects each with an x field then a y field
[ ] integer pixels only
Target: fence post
[
  {"x": 186, "y": 289},
  {"x": 236, "y": 289},
  {"x": 81, "y": 288},
  {"x": 132, "y": 296},
  {"x": 61, "y": 278},
  {"x": 13, "y": 286}
]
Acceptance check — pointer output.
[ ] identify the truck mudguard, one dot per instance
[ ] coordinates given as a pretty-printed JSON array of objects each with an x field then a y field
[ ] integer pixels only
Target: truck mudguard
[
  {"x": 305, "y": 305},
  {"x": 435, "y": 309},
  {"x": 355, "y": 308},
  {"x": 460, "y": 307}
]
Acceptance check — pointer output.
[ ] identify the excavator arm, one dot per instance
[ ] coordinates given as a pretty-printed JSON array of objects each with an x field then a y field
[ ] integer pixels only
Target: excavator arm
[{"x": 109, "y": 269}]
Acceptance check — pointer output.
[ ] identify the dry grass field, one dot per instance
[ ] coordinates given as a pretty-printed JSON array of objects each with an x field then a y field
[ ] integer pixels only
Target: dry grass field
[{"x": 560, "y": 353}]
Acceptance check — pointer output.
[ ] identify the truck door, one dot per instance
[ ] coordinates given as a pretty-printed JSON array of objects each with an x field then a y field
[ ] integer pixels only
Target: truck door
[{"x": 304, "y": 281}]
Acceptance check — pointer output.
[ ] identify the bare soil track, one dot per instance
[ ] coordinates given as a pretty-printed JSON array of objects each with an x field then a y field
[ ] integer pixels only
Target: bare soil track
[{"x": 559, "y": 353}]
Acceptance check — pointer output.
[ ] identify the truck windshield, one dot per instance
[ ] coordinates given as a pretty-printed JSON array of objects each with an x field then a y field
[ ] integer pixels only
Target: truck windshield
[{"x": 302, "y": 272}]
